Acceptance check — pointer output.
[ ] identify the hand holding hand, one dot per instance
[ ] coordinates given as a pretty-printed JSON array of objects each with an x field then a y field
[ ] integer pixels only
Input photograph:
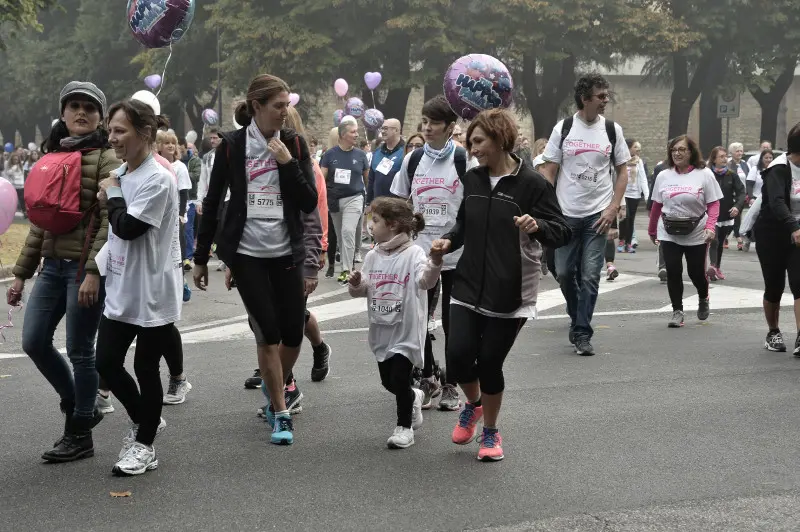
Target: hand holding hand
[
  {"x": 709, "y": 234},
  {"x": 200, "y": 275},
  {"x": 440, "y": 247},
  {"x": 734, "y": 212}
]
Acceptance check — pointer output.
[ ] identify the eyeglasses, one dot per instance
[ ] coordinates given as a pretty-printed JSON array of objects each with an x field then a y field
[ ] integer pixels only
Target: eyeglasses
[
  {"x": 387, "y": 128},
  {"x": 679, "y": 150},
  {"x": 604, "y": 96},
  {"x": 416, "y": 145}
]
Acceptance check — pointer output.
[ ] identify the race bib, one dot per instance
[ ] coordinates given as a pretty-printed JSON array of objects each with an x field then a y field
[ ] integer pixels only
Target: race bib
[
  {"x": 264, "y": 202},
  {"x": 386, "y": 300},
  {"x": 117, "y": 253},
  {"x": 342, "y": 176},
  {"x": 435, "y": 211},
  {"x": 385, "y": 166}
]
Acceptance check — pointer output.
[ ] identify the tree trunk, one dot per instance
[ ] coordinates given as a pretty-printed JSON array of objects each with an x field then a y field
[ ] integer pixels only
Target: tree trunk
[
  {"x": 770, "y": 101},
  {"x": 195, "y": 113},
  {"x": 395, "y": 104},
  {"x": 685, "y": 91},
  {"x": 710, "y": 125},
  {"x": 545, "y": 102},
  {"x": 44, "y": 125}
]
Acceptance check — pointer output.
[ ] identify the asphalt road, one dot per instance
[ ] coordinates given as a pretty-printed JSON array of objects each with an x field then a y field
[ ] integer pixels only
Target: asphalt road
[{"x": 690, "y": 429}]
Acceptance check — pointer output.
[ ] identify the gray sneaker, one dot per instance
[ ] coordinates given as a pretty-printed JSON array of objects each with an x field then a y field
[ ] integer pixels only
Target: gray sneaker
[
  {"x": 429, "y": 388},
  {"x": 136, "y": 460},
  {"x": 676, "y": 321},
  {"x": 449, "y": 401},
  {"x": 583, "y": 347},
  {"x": 703, "y": 310},
  {"x": 176, "y": 392},
  {"x": 104, "y": 404},
  {"x": 130, "y": 436}
]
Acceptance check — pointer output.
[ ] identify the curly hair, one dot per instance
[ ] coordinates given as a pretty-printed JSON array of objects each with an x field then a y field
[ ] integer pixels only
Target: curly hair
[{"x": 584, "y": 88}]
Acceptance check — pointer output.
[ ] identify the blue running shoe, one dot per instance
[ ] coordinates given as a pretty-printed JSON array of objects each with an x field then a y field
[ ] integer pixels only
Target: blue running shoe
[
  {"x": 282, "y": 431},
  {"x": 187, "y": 292}
]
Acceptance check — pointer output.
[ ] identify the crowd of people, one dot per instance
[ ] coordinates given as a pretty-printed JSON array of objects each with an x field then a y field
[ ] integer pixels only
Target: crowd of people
[{"x": 467, "y": 215}]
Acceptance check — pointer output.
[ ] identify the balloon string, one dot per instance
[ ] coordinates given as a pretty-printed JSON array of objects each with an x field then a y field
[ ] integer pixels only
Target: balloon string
[
  {"x": 10, "y": 324},
  {"x": 164, "y": 74},
  {"x": 373, "y": 98}
]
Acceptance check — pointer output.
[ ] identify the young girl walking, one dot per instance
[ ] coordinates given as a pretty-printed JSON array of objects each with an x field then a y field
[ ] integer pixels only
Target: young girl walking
[{"x": 395, "y": 277}]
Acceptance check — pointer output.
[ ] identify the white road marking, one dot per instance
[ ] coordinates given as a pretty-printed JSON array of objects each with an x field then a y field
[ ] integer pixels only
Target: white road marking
[{"x": 4, "y": 356}]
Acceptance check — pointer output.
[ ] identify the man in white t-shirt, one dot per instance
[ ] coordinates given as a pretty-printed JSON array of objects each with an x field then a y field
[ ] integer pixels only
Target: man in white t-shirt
[
  {"x": 578, "y": 159},
  {"x": 752, "y": 162}
]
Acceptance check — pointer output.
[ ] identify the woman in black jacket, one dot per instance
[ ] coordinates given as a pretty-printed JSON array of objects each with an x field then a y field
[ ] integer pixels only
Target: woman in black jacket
[
  {"x": 271, "y": 179},
  {"x": 508, "y": 213},
  {"x": 731, "y": 204},
  {"x": 777, "y": 232}
]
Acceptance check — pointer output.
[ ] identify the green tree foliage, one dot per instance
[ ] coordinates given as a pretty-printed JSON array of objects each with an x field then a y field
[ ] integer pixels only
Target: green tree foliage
[{"x": 21, "y": 15}]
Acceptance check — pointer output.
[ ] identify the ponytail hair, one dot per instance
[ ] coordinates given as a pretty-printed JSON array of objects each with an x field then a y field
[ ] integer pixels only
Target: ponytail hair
[
  {"x": 261, "y": 89},
  {"x": 398, "y": 211}
]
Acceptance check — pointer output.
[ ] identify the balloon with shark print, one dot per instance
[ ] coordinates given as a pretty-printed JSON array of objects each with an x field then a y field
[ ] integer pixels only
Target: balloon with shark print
[
  {"x": 475, "y": 83},
  {"x": 159, "y": 23}
]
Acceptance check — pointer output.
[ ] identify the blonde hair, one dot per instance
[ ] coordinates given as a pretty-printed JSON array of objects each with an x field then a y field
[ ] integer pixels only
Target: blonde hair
[
  {"x": 165, "y": 137},
  {"x": 294, "y": 121},
  {"x": 538, "y": 146},
  {"x": 333, "y": 138}
]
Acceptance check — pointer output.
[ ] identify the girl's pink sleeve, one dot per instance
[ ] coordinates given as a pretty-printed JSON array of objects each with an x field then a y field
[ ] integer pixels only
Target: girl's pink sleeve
[
  {"x": 655, "y": 214},
  {"x": 713, "y": 215}
]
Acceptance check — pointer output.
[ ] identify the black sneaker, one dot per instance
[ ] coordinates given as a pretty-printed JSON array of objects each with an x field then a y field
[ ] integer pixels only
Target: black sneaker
[
  {"x": 329, "y": 274},
  {"x": 254, "y": 382},
  {"x": 703, "y": 310},
  {"x": 321, "y": 366},
  {"x": 583, "y": 347},
  {"x": 292, "y": 395},
  {"x": 338, "y": 257},
  {"x": 797, "y": 345},
  {"x": 774, "y": 342}
]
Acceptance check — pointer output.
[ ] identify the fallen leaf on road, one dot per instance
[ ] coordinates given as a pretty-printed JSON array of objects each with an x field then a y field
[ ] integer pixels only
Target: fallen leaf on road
[
  {"x": 120, "y": 493},
  {"x": 4, "y": 376},
  {"x": 602, "y": 327}
]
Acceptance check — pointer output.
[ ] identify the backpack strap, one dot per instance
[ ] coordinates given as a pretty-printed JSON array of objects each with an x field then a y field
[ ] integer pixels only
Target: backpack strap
[
  {"x": 566, "y": 127},
  {"x": 413, "y": 162},
  {"x": 460, "y": 160},
  {"x": 611, "y": 131}
]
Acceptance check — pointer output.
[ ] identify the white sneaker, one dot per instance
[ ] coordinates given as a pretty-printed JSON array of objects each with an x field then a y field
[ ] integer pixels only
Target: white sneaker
[
  {"x": 431, "y": 324},
  {"x": 416, "y": 413},
  {"x": 401, "y": 438},
  {"x": 138, "y": 459},
  {"x": 176, "y": 392},
  {"x": 130, "y": 437},
  {"x": 104, "y": 404}
]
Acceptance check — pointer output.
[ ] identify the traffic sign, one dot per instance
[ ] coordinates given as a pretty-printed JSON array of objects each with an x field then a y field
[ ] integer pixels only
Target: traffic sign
[{"x": 728, "y": 103}]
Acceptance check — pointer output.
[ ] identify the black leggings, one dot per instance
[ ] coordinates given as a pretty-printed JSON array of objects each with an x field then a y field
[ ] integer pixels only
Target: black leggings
[
  {"x": 173, "y": 352},
  {"x": 273, "y": 294},
  {"x": 778, "y": 257},
  {"x": 143, "y": 403},
  {"x": 396, "y": 377},
  {"x": 333, "y": 242},
  {"x": 695, "y": 266},
  {"x": 447, "y": 288},
  {"x": 737, "y": 222},
  {"x": 479, "y": 349},
  {"x": 626, "y": 226},
  {"x": 717, "y": 246}
]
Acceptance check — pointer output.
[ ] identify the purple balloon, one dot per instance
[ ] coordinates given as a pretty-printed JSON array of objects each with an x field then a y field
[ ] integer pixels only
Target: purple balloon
[
  {"x": 337, "y": 117},
  {"x": 354, "y": 107},
  {"x": 152, "y": 81},
  {"x": 210, "y": 117},
  {"x": 372, "y": 79},
  {"x": 373, "y": 119},
  {"x": 475, "y": 83},
  {"x": 159, "y": 23}
]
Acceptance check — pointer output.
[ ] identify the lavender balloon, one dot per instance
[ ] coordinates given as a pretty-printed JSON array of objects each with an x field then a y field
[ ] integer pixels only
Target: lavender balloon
[
  {"x": 372, "y": 79},
  {"x": 337, "y": 117},
  {"x": 354, "y": 107},
  {"x": 373, "y": 119},
  {"x": 152, "y": 81},
  {"x": 475, "y": 83},
  {"x": 159, "y": 23},
  {"x": 210, "y": 117}
]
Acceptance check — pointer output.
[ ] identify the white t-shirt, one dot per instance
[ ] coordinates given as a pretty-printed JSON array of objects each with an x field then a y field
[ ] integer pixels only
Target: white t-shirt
[
  {"x": 752, "y": 162},
  {"x": 397, "y": 307},
  {"x": 436, "y": 192},
  {"x": 685, "y": 196},
  {"x": 182, "y": 173},
  {"x": 585, "y": 186},
  {"x": 144, "y": 276},
  {"x": 637, "y": 182},
  {"x": 794, "y": 201},
  {"x": 758, "y": 182},
  {"x": 265, "y": 234}
]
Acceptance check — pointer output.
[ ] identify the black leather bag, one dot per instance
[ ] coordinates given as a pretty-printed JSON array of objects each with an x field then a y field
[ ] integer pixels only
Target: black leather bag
[{"x": 680, "y": 226}]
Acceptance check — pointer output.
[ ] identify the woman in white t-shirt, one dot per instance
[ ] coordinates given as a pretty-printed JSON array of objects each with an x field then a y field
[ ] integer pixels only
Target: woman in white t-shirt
[
  {"x": 683, "y": 219},
  {"x": 143, "y": 279},
  {"x": 394, "y": 279}
]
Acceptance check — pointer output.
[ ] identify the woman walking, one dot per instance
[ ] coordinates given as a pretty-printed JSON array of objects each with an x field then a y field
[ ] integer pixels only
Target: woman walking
[
  {"x": 69, "y": 280},
  {"x": 683, "y": 217},
  {"x": 730, "y": 206},
  {"x": 777, "y": 232}
]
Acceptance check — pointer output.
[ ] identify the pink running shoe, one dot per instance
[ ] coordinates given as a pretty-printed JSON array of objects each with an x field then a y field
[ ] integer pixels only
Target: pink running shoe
[
  {"x": 467, "y": 421},
  {"x": 720, "y": 276},
  {"x": 491, "y": 446}
]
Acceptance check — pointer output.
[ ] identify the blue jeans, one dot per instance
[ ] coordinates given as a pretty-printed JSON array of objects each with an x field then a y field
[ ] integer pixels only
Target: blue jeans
[
  {"x": 54, "y": 295},
  {"x": 191, "y": 212},
  {"x": 578, "y": 266}
]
